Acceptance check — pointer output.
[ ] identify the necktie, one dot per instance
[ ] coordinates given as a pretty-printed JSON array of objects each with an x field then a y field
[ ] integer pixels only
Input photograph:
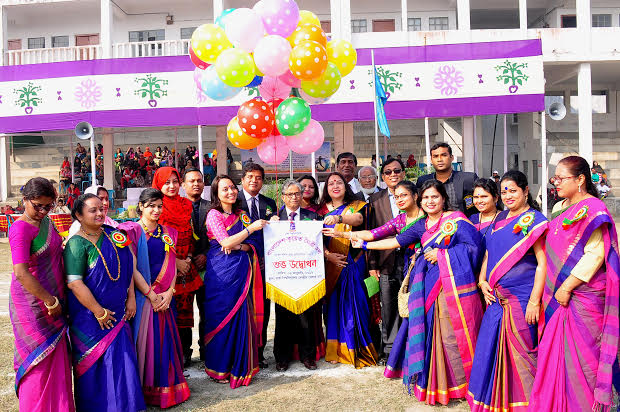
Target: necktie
[
  {"x": 292, "y": 216},
  {"x": 254, "y": 210}
]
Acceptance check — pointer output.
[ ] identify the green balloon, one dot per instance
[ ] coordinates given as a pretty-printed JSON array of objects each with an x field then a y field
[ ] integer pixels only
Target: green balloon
[{"x": 293, "y": 116}]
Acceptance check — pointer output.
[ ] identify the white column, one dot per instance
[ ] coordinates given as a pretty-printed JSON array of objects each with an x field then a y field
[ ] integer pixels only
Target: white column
[
  {"x": 345, "y": 20},
  {"x": 584, "y": 91},
  {"x": 200, "y": 152},
  {"x": 462, "y": 12},
  {"x": 427, "y": 143},
  {"x": 4, "y": 36},
  {"x": 505, "y": 145},
  {"x": 404, "y": 15},
  {"x": 5, "y": 168},
  {"x": 584, "y": 23},
  {"x": 108, "y": 158},
  {"x": 336, "y": 19},
  {"x": 523, "y": 15},
  {"x": 105, "y": 39},
  {"x": 218, "y": 8},
  {"x": 469, "y": 144},
  {"x": 475, "y": 131}
]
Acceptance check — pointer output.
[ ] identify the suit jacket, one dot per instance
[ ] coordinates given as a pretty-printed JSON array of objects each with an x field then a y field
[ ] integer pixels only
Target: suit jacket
[
  {"x": 386, "y": 261},
  {"x": 200, "y": 228},
  {"x": 463, "y": 186},
  {"x": 266, "y": 208},
  {"x": 304, "y": 214}
]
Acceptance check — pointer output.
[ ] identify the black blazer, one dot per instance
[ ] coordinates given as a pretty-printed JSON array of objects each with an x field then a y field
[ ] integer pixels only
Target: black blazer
[
  {"x": 386, "y": 261},
  {"x": 200, "y": 228},
  {"x": 266, "y": 208},
  {"x": 463, "y": 186},
  {"x": 304, "y": 214}
]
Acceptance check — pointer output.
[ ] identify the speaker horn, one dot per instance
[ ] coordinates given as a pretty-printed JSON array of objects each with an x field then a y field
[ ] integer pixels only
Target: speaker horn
[
  {"x": 557, "y": 111},
  {"x": 83, "y": 131}
]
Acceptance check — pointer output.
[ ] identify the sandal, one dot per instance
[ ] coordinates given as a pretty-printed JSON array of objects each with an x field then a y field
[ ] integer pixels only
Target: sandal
[{"x": 221, "y": 381}]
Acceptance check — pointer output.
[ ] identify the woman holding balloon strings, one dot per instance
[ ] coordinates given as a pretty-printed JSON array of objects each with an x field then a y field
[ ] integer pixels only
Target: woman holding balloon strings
[
  {"x": 511, "y": 279},
  {"x": 444, "y": 308},
  {"x": 577, "y": 355}
]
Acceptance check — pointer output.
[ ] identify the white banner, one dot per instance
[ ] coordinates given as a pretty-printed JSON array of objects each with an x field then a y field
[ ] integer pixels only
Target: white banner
[{"x": 294, "y": 265}]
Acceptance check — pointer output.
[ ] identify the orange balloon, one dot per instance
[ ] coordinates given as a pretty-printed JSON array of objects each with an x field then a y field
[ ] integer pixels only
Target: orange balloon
[
  {"x": 308, "y": 32},
  {"x": 238, "y": 138},
  {"x": 308, "y": 60}
]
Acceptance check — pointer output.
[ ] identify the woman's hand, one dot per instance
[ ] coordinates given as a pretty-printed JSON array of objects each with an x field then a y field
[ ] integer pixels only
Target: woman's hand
[
  {"x": 155, "y": 299},
  {"x": 532, "y": 313},
  {"x": 562, "y": 296},
  {"x": 106, "y": 322},
  {"x": 183, "y": 266},
  {"x": 337, "y": 259},
  {"x": 257, "y": 225},
  {"x": 57, "y": 311},
  {"x": 164, "y": 301},
  {"x": 356, "y": 243},
  {"x": 431, "y": 255},
  {"x": 331, "y": 220},
  {"x": 330, "y": 232},
  {"x": 274, "y": 218},
  {"x": 130, "y": 307},
  {"x": 487, "y": 291}
]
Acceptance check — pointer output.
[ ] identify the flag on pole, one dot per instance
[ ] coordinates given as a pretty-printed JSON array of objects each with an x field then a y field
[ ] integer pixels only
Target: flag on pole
[{"x": 381, "y": 98}]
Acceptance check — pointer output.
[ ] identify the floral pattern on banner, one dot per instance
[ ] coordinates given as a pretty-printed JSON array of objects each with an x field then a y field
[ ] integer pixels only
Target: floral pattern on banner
[
  {"x": 151, "y": 87},
  {"x": 28, "y": 97},
  {"x": 88, "y": 94},
  {"x": 449, "y": 80}
]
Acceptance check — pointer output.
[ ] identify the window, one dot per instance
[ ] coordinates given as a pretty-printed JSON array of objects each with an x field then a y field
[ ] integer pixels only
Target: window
[
  {"x": 147, "y": 35},
  {"x": 186, "y": 33},
  {"x": 359, "y": 26},
  {"x": 535, "y": 166},
  {"x": 383, "y": 25},
  {"x": 326, "y": 25},
  {"x": 569, "y": 21},
  {"x": 414, "y": 24},
  {"x": 438, "y": 23},
  {"x": 60, "y": 41},
  {"x": 601, "y": 20},
  {"x": 525, "y": 163},
  {"x": 599, "y": 102},
  {"x": 36, "y": 43}
]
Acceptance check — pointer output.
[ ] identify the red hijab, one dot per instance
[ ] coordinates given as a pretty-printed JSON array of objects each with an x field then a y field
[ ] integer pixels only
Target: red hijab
[{"x": 177, "y": 211}]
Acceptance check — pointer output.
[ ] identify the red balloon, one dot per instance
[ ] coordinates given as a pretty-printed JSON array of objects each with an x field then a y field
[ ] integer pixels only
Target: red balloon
[
  {"x": 197, "y": 62},
  {"x": 256, "y": 118},
  {"x": 273, "y": 104}
]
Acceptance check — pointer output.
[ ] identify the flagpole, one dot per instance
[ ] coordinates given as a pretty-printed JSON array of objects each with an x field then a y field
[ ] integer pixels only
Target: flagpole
[{"x": 374, "y": 101}]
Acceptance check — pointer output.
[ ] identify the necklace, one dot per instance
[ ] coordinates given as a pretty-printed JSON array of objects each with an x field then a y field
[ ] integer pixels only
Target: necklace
[
  {"x": 105, "y": 264},
  {"x": 490, "y": 225},
  {"x": 90, "y": 234},
  {"x": 435, "y": 224},
  {"x": 35, "y": 222},
  {"x": 525, "y": 209},
  {"x": 151, "y": 234}
]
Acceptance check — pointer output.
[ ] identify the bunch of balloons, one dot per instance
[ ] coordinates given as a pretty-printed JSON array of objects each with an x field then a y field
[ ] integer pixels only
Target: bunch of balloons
[{"x": 284, "y": 52}]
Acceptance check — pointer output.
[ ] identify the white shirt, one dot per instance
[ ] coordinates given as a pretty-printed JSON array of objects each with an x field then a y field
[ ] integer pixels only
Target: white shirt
[
  {"x": 297, "y": 216},
  {"x": 355, "y": 185},
  {"x": 248, "y": 199},
  {"x": 395, "y": 209}
]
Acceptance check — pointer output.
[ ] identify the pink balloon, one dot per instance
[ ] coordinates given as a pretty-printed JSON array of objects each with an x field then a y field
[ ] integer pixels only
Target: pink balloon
[
  {"x": 289, "y": 79},
  {"x": 244, "y": 29},
  {"x": 273, "y": 88},
  {"x": 312, "y": 100},
  {"x": 273, "y": 150},
  {"x": 272, "y": 54},
  {"x": 279, "y": 16},
  {"x": 308, "y": 141}
]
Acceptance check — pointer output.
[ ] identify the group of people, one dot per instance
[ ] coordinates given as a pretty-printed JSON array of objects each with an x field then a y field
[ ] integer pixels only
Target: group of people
[{"x": 531, "y": 305}]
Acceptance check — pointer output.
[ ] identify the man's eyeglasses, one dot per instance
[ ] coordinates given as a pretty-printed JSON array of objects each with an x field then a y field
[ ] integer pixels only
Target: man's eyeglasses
[
  {"x": 296, "y": 194},
  {"x": 40, "y": 208},
  {"x": 371, "y": 177},
  {"x": 390, "y": 171}
]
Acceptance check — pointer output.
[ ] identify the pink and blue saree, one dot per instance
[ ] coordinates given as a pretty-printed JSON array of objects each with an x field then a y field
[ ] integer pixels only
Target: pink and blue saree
[
  {"x": 104, "y": 361},
  {"x": 444, "y": 309},
  {"x": 233, "y": 305},
  {"x": 41, "y": 360},
  {"x": 577, "y": 355},
  {"x": 160, "y": 355},
  {"x": 505, "y": 357}
]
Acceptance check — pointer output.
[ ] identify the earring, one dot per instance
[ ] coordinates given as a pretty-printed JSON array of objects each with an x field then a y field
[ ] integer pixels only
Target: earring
[{"x": 579, "y": 188}]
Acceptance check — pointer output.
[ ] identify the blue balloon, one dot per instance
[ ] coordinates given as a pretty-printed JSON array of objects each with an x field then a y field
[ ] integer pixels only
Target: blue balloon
[
  {"x": 221, "y": 19},
  {"x": 215, "y": 88},
  {"x": 257, "y": 81}
]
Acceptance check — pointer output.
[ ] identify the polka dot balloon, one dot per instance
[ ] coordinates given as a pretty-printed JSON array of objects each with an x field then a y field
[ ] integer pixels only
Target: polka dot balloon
[
  {"x": 256, "y": 118},
  {"x": 308, "y": 60},
  {"x": 238, "y": 138},
  {"x": 279, "y": 16},
  {"x": 271, "y": 55},
  {"x": 235, "y": 67},
  {"x": 308, "y": 32},
  {"x": 308, "y": 141},
  {"x": 209, "y": 41},
  {"x": 293, "y": 116},
  {"x": 326, "y": 85},
  {"x": 342, "y": 54}
]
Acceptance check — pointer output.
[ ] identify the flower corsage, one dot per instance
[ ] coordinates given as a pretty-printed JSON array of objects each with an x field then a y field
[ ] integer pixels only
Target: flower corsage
[
  {"x": 524, "y": 223},
  {"x": 448, "y": 228},
  {"x": 120, "y": 239},
  {"x": 581, "y": 214}
]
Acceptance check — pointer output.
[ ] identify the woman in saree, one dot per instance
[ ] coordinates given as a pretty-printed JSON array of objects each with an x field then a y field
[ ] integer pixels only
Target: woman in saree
[
  {"x": 486, "y": 200},
  {"x": 444, "y": 308},
  {"x": 511, "y": 280},
  {"x": 310, "y": 197},
  {"x": 177, "y": 214},
  {"x": 233, "y": 304},
  {"x": 405, "y": 194},
  {"x": 100, "y": 268},
  {"x": 36, "y": 301},
  {"x": 347, "y": 312},
  {"x": 577, "y": 355},
  {"x": 160, "y": 355}
]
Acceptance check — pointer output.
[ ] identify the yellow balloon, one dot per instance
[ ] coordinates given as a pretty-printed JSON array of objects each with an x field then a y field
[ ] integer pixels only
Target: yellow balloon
[
  {"x": 209, "y": 41},
  {"x": 326, "y": 85},
  {"x": 307, "y": 17},
  {"x": 343, "y": 55},
  {"x": 235, "y": 67},
  {"x": 238, "y": 138}
]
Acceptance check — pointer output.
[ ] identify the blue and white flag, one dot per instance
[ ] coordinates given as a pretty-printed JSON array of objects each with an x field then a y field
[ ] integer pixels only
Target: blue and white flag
[{"x": 381, "y": 98}]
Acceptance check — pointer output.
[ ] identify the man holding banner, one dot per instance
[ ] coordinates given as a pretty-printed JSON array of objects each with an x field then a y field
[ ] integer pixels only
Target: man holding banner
[{"x": 295, "y": 279}]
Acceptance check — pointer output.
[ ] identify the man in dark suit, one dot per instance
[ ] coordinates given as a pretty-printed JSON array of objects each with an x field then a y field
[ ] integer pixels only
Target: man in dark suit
[
  {"x": 387, "y": 265},
  {"x": 294, "y": 329},
  {"x": 459, "y": 185},
  {"x": 194, "y": 185},
  {"x": 258, "y": 207}
]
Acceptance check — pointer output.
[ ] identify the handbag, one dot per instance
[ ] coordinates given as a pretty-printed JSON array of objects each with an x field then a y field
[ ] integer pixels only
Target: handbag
[{"x": 403, "y": 298}]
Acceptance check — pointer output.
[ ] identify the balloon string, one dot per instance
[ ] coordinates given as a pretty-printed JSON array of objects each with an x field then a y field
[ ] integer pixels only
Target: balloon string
[{"x": 275, "y": 146}]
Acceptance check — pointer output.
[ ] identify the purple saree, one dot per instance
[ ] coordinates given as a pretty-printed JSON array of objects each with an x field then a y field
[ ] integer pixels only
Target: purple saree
[
  {"x": 505, "y": 357},
  {"x": 579, "y": 345}
]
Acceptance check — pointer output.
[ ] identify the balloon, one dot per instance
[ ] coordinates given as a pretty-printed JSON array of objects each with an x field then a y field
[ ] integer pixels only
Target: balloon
[
  {"x": 221, "y": 19},
  {"x": 208, "y": 41},
  {"x": 198, "y": 76},
  {"x": 289, "y": 79},
  {"x": 308, "y": 32},
  {"x": 256, "y": 118},
  {"x": 271, "y": 55},
  {"x": 238, "y": 138},
  {"x": 235, "y": 67},
  {"x": 326, "y": 85},
  {"x": 273, "y": 150},
  {"x": 244, "y": 28},
  {"x": 308, "y": 141},
  {"x": 279, "y": 16},
  {"x": 307, "y": 17},
  {"x": 312, "y": 100},
  {"x": 256, "y": 82},
  {"x": 308, "y": 60},
  {"x": 342, "y": 54},
  {"x": 272, "y": 88},
  {"x": 274, "y": 104},
  {"x": 197, "y": 62},
  {"x": 293, "y": 116},
  {"x": 212, "y": 86}
]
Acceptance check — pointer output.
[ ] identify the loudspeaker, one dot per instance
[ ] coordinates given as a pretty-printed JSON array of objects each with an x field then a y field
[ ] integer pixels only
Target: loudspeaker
[
  {"x": 557, "y": 111},
  {"x": 83, "y": 131}
]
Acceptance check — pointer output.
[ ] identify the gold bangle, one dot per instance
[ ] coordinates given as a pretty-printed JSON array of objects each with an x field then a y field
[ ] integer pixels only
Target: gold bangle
[
  {"x": 54, "y": 306},
  {"x": 105, "y": 315},
  {"x": 533, "y": 303},
  {"x": 174, "y": 291},
  {"x": 565, "y": 290}
]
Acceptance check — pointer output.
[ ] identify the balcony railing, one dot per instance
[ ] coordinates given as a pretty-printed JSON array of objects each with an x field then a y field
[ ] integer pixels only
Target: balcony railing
[
  {"x": 51, "y": 55},
  {"x": 151, "y": 48}
]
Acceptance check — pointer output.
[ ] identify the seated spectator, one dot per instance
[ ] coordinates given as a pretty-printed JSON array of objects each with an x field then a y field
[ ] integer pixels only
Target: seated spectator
[
  {"x": 119, "y": 157},
  {"x": 209, "y": 170},
  {"x": 139, "y": 152},
  {"x": 65, "y": 178},
  {"x": 127, "y": 179},
  {"x": 147, "y": 153},
  {"x": 61, "y": 207},
  {"x": 142, "y": 165},
  {"x": 8, "y": 210},
  {"x": 158, "y": 156},
  {"x": 411, "y": 162},
  {"x": 79, "y": 151},
  {"x": 72, "y": 194},
  {"x": 65, "y": 163},
  {"x": 131, "y": 155}
]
